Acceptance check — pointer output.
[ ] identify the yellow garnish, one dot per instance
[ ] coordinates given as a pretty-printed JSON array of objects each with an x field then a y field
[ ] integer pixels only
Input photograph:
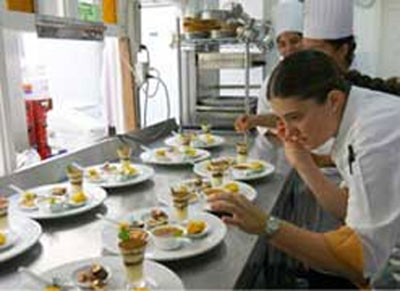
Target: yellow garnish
[
  {"x": 52, "y": 288},
  {"x": 195, "y": 227},
  {"x": 3, "y": 239},
  {"x": 93, "y": 173},
  {"x": 79, "y": 197},
  {"x": 129, "y": 171},
  {"x": 210, "y": 138},
  {"x": 123, "y": 226},
  {"x": 161, "y": 153},
  {"x": 257, "y": 165},
  {"x": 190, "y": 152},
  {"x": 232, "y": 187},
  {"x": 29, "y": 196}
]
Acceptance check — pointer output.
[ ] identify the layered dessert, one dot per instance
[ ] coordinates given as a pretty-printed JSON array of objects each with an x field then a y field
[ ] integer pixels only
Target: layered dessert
[
  {"x": 3, "y": 213},
  {"x": 132, "y": 245},
  {"x": 124, "y": 155},
  {"x": 75, "y": 176},
  {"x": 217, "y": 178},
  {"x": 185, "y": 140},
  {"x": 180, "y": 200},
  {"x": 221, "y": 164},
  {"x": 206, "y": 127},
  {"x": 242, "y": 151}
]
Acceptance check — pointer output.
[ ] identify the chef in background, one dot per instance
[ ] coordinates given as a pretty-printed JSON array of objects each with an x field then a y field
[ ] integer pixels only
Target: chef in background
[{"x": 288, "y": 24}]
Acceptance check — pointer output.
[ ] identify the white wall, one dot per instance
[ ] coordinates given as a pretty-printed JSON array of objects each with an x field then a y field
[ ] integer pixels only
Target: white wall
[
  {"x": 158, "y": 27},
  {"x": 367, "y": 30},
  {"x": 378, "y": 38},
  {"x": 73, "y": 70},
  {"x": 389, "y": 61}
]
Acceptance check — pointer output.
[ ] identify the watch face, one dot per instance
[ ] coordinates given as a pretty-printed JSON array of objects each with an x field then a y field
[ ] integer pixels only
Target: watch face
[{"x": 272, "y": 226}]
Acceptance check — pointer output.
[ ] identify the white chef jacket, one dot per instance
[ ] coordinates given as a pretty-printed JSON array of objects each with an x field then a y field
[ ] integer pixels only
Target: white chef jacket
[
  {"x": 263, "y": 106},
  {"x": 366, "y": 153}
]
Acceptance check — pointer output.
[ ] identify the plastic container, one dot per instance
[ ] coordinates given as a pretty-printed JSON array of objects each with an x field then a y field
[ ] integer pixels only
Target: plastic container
[
  {"x": 110, "y": 11},
  {"x": 20, "y": 5},
  {"x": 90, "y": 10}
]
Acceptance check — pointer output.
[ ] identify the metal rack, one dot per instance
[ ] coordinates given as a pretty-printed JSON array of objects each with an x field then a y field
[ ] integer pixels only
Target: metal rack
[{"x": 193, "y": 55}]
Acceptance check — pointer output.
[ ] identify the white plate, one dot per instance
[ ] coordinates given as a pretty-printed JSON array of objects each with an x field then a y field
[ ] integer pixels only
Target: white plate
[
  {"x": 150, "y": 157},
  {"x": 158, "y": 276},
  {"x": 96, "y": 196},
  {"x": 190, "y": 247},
  {"x": 28, "y": 232},
  {"x": 201, "y": 170},
  {"x": 11, "y": 239},
  {"x": 145, "y": 173},
  {"x": 246, "y": 190},
  {"x": 218, "y": 141}
]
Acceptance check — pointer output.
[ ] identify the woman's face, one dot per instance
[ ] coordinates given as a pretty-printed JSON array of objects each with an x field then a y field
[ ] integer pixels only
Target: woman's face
[
  {"x": 289, "y": 42},
  {"x": 339, "y": 55},
  {"x": 309, "y": 121}
]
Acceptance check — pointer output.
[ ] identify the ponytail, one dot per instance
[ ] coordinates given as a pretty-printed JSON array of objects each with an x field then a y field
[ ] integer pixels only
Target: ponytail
[{"x": 377, "y": 84}]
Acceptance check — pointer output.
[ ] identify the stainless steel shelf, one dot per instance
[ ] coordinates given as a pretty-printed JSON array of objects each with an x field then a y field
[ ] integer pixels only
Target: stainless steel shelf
[{"x": 195, "y": 43}]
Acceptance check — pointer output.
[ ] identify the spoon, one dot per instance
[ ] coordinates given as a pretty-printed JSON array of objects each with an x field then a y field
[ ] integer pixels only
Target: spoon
[
  {"x": 103, "y": 217},
  {"x": 245, "y": 136},
  {"x": 35, "y": 276},
  {"x": 16, "y": 189},
  {"x": 56, "y": 281}
]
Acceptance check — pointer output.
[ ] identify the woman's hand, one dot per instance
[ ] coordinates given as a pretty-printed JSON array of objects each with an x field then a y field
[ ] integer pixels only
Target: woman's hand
[
  {"x": 295, "y": 151},
  {"x": 244, "y": 122},
  {"x": 245, "y": 214}
]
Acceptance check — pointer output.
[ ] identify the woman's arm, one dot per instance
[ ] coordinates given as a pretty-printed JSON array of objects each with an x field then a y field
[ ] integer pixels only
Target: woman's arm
[
  {"x": 247, "y": 122},
  {"x": 323, "y": 161},
  {"x": 314, "y": 249},
  {"x": 328, "y": 194}
]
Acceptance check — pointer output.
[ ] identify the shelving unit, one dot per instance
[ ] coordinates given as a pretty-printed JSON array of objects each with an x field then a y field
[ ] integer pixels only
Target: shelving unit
[{"x": 202, "y": 60}]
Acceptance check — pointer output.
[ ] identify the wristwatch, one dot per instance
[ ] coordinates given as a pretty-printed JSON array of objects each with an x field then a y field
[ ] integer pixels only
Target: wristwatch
[{"x": 272, "y": 226}]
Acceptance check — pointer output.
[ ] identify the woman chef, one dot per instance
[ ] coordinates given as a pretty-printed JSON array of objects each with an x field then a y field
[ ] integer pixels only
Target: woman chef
[
  {"x": 288, "y": 24},
  {"x": 314, "y": 103},
  {"x": 328, "y": 27}
]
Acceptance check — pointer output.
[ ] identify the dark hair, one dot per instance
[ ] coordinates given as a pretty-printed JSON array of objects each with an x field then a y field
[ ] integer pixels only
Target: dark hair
[
  {"x": 295, "y": 32},
  {"x": 307, "y": 74},
  {"x": 377, "y": 84},
  {"x": 338, "y": 43},
  {"x": 358, "y": 79}
]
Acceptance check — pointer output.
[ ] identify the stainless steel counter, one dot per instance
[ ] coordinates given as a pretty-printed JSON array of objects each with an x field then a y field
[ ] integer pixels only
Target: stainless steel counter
[{"x": 233, "y": 264}]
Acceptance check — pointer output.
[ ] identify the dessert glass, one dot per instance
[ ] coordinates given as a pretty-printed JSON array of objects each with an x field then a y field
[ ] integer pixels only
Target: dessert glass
[
  {"x": 180, "y": 200},
  {"x": 132, "y": 246}
]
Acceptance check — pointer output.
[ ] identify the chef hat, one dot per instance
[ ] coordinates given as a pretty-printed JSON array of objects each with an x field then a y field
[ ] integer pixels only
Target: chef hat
[
  {"x": 328, "y": 19},
  {"x": 288, "y": 16}
]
